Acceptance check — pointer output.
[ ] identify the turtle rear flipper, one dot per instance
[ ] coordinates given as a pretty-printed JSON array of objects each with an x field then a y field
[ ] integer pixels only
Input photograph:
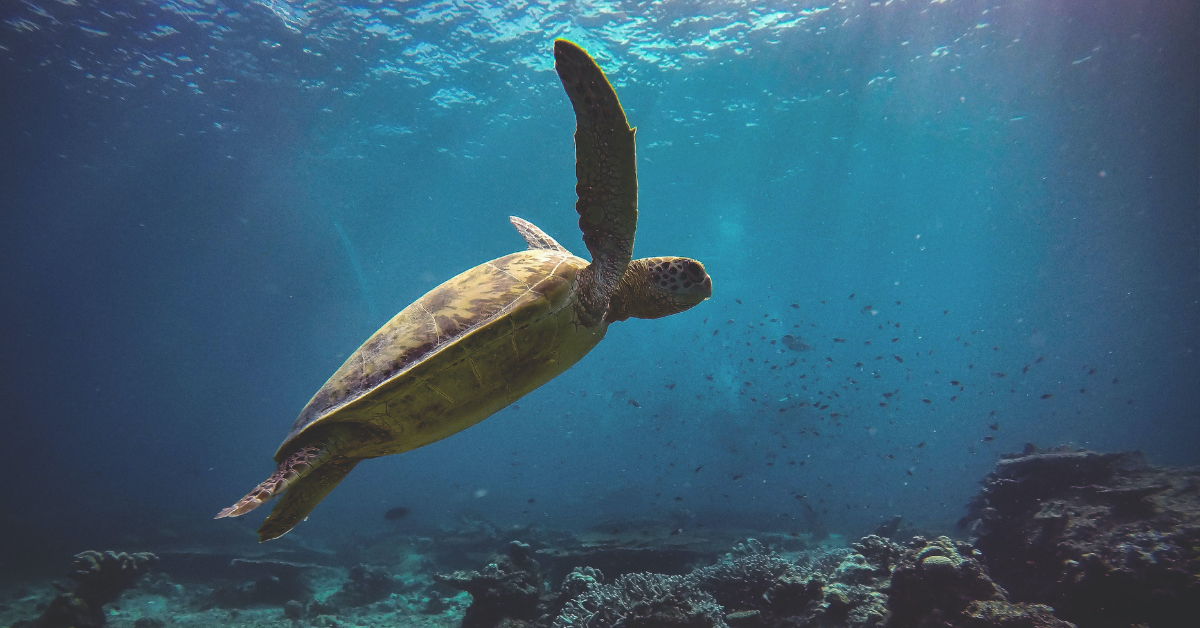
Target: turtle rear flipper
[
  {"x": 304, "y": 495},
  {"x": 293, "y": 468}
]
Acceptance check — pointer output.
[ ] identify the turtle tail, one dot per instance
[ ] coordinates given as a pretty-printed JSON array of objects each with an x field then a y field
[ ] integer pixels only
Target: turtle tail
[{"x": 301, "y": 463}]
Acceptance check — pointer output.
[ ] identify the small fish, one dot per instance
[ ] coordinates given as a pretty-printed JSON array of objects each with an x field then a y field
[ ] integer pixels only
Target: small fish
[
  {"x": 851, "y": 295},
  {"x": 954, "y": 397},
  {"x": 698, "y": 469},
  {"x": 737, "y": 477},
  {"x": 1025, "y": 371},
  {"x": 678, "y": 499},
  {"x": 795, "y": 306},
  {"x": 795, "y": 343},
  {"x": 396, "y": 514},
  {"x": 670, "y": 386},
  {"x": 898, "y": 358},
  {"x": 995, "y": 427},
  {"x": 988, "y": 439},
  {"x": 530, "y": 500},
  {"x": 1047, "y": 396},
  {"x": 954, "y": 382},
  {"x": 922, "y": 444},
  {"x": 634, "y": 403},
  {"x": 926, "y": 401},
  {"x": 739, "y": 301},
  {"x": 839, "y": 340}
]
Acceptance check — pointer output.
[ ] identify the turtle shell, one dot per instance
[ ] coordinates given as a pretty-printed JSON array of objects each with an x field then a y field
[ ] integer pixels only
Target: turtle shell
[{"x": 465, "y": 350}]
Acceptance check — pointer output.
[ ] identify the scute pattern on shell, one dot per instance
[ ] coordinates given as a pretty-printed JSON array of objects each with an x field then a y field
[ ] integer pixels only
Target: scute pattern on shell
[{"x": 466, "y": 303}]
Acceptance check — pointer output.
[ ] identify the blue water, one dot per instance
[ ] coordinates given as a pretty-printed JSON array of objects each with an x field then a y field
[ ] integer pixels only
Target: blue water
[{"x": 206, "y": 206}]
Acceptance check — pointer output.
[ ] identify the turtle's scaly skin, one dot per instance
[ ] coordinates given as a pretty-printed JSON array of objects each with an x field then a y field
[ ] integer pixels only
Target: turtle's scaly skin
[{"x": 494, "y": 333}]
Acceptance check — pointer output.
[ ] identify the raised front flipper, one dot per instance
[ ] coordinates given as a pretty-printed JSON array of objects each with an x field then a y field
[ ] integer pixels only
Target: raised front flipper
[{"x": 606, "y": 175}]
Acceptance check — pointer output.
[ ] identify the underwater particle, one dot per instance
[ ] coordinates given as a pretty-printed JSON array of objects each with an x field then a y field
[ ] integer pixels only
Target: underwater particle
[
  {"x": 481, "y": 493},
  {"x": 395, "y": 514},
  {"x": 1082, "y": 390},
  {"x": 1047, "y": 396}
]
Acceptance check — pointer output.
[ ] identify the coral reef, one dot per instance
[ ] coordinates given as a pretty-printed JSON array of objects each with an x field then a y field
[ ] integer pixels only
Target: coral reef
[
  {"x": 366, "y": 584},
  {"x": 642, "y": 600},
  {"x": 508, "y": 588},
  {"x": 274, "y": 583},
  {"x": 100, "y": 579},
  {"x": 1106, "y": 539},
  {"x": 944, "y": 582}
]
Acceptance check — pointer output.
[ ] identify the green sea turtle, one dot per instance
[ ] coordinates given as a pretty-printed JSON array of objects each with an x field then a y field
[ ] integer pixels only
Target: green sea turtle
[{"x": 489, "y": 336}]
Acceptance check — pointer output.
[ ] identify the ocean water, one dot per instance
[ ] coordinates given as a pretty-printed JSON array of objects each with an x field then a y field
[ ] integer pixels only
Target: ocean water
[{"x": 937, "y": 231}]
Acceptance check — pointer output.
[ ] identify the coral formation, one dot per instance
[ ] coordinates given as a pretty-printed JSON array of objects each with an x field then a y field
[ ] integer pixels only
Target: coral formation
[
  {"x": 1106, "y": 539},
  {"x": 510, "y": 587},
  {"x": 101, "y": 577},
  {"x": 642, "y": 600},
  {"x": 366, "y": 584},
  {"x": 273, "y": 583},
  {"x": 945, "y": 582}
]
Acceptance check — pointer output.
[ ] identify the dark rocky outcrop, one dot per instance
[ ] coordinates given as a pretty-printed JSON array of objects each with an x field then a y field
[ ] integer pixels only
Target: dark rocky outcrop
[
  {"x": 1106, "y": 539},
  {"x": 100, "y": 579}
]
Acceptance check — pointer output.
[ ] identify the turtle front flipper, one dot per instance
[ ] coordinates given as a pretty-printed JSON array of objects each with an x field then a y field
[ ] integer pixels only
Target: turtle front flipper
[
  {"x": 606, "y": 175},
  {"x": 304, "y": 495}
]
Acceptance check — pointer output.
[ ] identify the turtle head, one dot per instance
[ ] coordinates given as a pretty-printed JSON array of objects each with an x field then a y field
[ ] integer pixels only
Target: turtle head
[{"x": 655, "y": 287}]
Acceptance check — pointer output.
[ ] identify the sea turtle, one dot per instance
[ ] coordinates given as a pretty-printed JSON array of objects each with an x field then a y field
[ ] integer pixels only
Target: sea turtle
[{"x": 489, "y": 336}]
